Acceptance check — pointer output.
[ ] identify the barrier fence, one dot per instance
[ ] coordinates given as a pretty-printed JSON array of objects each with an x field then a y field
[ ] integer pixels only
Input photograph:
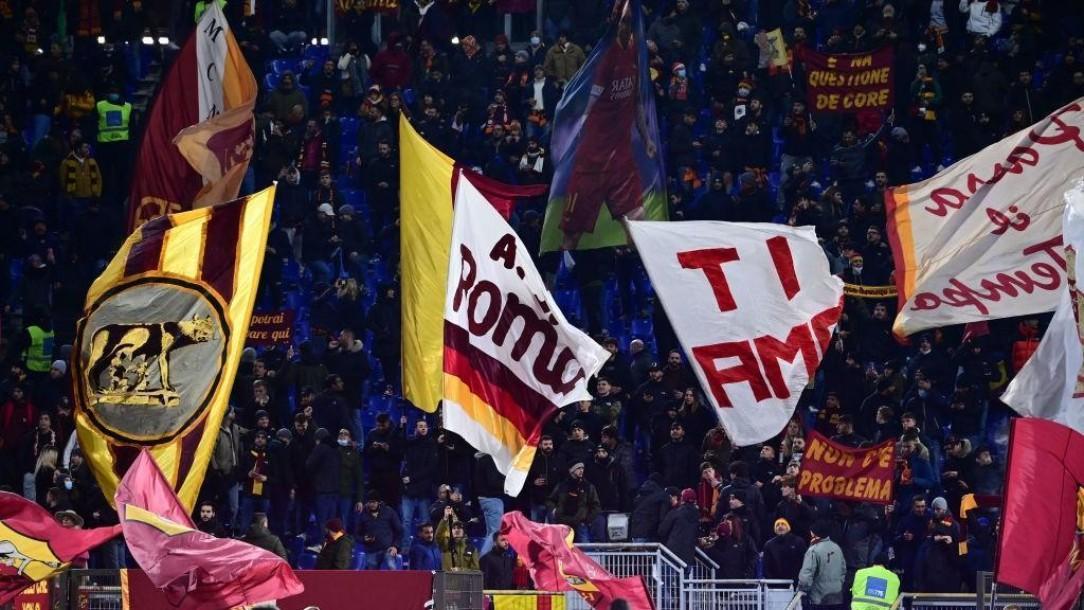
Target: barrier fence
[{"x": 672, "y": 584}]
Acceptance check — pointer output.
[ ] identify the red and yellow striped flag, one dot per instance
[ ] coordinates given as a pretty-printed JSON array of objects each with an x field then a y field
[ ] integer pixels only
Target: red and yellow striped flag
[{"x": 162, "y": 332}]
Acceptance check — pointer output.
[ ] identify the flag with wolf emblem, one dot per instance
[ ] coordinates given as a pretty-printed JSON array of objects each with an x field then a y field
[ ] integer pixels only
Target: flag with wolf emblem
[
  {"x": 34, "y": 547},
  {"x": 162, "y": 331}
]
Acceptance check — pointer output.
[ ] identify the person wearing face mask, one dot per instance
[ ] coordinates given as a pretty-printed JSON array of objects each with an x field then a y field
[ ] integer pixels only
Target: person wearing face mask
[
  {"x": 351, "y": 479},
  {"x": 536, "y": 49}
]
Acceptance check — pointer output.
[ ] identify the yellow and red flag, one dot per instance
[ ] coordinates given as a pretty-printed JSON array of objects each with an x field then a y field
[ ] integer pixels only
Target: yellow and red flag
[
  {"x": 34, "y": 547},
  {"x": 429, "y": 178},
  {"x": 198, "y": 139},
  {"x": 162, "y": 332}
]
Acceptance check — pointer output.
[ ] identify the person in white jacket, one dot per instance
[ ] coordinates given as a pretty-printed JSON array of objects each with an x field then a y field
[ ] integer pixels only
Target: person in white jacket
[{"x": 983, "y": 16}]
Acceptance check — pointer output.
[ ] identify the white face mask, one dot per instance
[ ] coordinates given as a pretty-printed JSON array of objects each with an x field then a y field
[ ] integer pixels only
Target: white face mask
[
  {"x": 535, "y": 40},
  {"x": 343, "y": 442}
]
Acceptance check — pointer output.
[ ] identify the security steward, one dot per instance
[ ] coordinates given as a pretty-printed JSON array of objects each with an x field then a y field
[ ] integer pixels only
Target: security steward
[{"x": 875, "y": 587}]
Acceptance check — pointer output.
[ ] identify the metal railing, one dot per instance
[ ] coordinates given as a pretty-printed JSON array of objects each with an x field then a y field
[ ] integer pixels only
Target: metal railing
[
  {"x": 721, "y": 594},
  {"x": 953, "y": 601},
  {"x": 663, "y": 571}
]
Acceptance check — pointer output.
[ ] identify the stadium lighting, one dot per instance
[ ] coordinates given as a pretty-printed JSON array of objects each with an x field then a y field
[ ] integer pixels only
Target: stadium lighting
[
  {"x": 314, "y": 42},
  {"x": 101, "y": 40},
  {"x": 455, "y": 39},
  {"x": 148, "y": 40},
  {"x": 323, "y": 42},
  {"x": 163, "y": 40}
]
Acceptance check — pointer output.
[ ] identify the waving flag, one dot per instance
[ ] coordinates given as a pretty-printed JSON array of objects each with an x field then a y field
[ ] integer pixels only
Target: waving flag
[
  {"x": 429, "y": 178},
  {"x": 157, "y": 349},
  {"x": 982, "y": 239},
  {"x": 1051, "y": 384},
  {"x": 198, "y": 138},
  {"x": 605, "y": 143},
  {"x": 556, "y": 565},
  {"x": 754, "y": 305},
  {"x": 194, "y": 569},
  {"x": 34, "y": 547},
  {"x": 511, "y": 359},
  {"x": 1042, "y": 523}
]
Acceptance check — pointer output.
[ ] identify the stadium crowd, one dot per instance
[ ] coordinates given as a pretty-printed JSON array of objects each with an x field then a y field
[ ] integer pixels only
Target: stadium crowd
[{"x": 320, "y": 452}]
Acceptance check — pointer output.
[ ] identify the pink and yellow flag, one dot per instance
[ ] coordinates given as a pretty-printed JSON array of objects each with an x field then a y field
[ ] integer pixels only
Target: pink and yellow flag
[{"x": 194, "y": 569}]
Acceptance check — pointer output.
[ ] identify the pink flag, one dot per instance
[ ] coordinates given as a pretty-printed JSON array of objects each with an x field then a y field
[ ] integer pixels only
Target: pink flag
[
  {"x": 194, "y": 569},
  {"x": 556, "y": 565}
]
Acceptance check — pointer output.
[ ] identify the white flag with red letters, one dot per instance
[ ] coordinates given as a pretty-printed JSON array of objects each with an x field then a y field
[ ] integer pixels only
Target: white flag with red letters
[{"x": 754, "y": 306}]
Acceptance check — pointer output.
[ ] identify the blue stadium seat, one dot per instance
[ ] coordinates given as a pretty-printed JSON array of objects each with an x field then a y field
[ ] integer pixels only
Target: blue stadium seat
[
  {"x": 270, "y": 81},
  {"x": 278, "y": 66},
  {"x": 316, "y": 53},
  {"x": 307, "y": 561},
  {"x": 643, "y": 327}
]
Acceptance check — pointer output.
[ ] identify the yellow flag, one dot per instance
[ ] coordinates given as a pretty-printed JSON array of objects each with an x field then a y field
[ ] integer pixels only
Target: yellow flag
[
  {"x": 425, "y": 229},
  {"x": 777, "y": 48},
  {"x": 161, "y": 337}
]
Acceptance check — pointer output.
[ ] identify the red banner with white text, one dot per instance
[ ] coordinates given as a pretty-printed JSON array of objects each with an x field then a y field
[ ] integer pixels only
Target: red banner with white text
[
  {"x": 848, "y": 83},
  {"x": 831, "y": 470}
]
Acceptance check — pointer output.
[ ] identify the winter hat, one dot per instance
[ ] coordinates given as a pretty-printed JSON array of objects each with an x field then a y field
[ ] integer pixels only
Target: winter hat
[
  {"x": 523, "y": 55},
  {"x": 61, "y": 366},
  {"x": 372, "y": 496},
  {"x": 259, "y": 414},
  {"x": 283, "y": 433},
  {"x": 334, "y": 525},
  {"x": 724, "y": 529},
  {"x": 747, "y": 178},
  {"x": 677, "y": 66},
  {"x": 573, "y": 467},
  {"x": 321, "y": 434},
  {"x": 688, "y": 496},
  {"x": 248, "y": 355},
  {"x": 899, "y": 133},
  {"x": 782, "y": 521},
  {"x": 939, "y": 503},
  {"x": 325, "y": 208}
]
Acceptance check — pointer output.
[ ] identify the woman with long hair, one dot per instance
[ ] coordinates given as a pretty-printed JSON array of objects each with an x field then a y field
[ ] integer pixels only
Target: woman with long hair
[{"x": 44, "y": 473}]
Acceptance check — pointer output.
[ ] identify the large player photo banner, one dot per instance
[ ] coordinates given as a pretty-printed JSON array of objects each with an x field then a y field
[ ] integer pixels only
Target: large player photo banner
[
  {"x": 605, "y": 146},
  {"x": 754, "y": 306}
]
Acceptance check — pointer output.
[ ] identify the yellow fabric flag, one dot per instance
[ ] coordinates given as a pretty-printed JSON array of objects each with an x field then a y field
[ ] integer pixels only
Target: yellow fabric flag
[
  {"x": 425, "y": 229},
  {"x": 777, "y": 49},
  {"x": 161, "y": 336}
]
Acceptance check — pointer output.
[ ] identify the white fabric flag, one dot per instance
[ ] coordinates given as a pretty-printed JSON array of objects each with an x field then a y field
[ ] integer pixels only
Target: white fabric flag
[
  {"x": 511, "y": 359},
  {"x": 1051, "y": 384},
  {"x": 753, "y": 305},
  {"x": 982, "y": 239}
]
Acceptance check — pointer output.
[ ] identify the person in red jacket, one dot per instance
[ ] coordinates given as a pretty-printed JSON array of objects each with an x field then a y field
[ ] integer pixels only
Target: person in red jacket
[
  {"x": 392, "y": 66},
  {"x": 1023, "y": 348}
]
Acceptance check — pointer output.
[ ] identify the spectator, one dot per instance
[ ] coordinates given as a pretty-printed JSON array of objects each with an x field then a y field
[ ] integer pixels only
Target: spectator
[
  {"x": 575, "y": 502},
  {"x": 457, "y": 552},
  {"x": 322, "y": 468},
  {"x": 424, "y": 553},
  {"x": 547, "y": 470},
  {"x": 255, "y": 468},
  {"x": 208, "y": 521},
  {"x": 351, "y": 479},
  {"x": 678, "y": 530},
  {"x": 649, "y": 508},
  {"x": 783, "y": 554},
  {"x": 418, "y": 475},
  {"x": 338, "y": 548},
  {"x": 498, "y": 565},
  {"x": 488, "y": 487},
  {"x": 937, "y": 563},
  {"x": 823, "y": 570},
  {"x": 380, "y": 529},
  {"x": 563, "y": 60},
  {"x": 983, "y": 16},
  {"x": 677, "y": 461},
  {"x": 732, "y": 549},
  {"x": 259, "y": 536}
]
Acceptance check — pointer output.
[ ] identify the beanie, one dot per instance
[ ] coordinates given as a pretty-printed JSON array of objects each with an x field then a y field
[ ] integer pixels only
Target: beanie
[
  {"x": 940, "y": 503},
  {"x": 688, "y": 496},
  {"x": 61, "y": 366},
  {"x": 783, "y": 522}
]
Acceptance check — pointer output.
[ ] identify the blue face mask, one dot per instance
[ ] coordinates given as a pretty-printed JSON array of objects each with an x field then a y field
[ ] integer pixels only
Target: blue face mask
[
  {"x": 343, "y": 442},
  {"x": 681, "y": 73},
  {"x": 68, "y": 484}
]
